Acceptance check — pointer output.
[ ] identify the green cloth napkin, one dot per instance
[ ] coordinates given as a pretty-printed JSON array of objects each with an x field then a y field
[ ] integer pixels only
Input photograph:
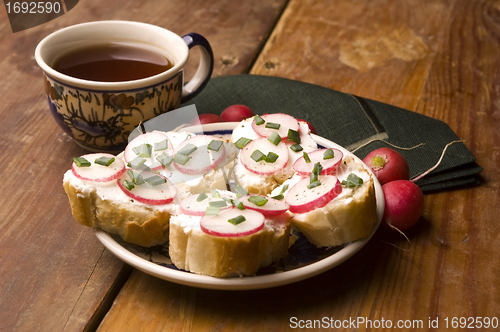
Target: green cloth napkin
[{"x": 351, "y": 121}]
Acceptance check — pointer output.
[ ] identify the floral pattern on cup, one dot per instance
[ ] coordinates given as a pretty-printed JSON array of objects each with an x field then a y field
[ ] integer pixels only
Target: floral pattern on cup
[{"x": 113, "y": 116}]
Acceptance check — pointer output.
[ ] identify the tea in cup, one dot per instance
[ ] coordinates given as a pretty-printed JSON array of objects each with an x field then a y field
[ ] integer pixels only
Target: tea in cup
[{"x": 102, "y": 79}]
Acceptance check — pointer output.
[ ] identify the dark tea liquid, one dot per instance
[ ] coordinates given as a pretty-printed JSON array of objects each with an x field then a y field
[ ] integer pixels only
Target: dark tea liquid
[{"x": 116, "y": 62}]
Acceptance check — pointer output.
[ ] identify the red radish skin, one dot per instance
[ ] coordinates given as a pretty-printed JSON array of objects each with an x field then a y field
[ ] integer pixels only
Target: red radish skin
[
  {"x": 272, "y": 208},
  {"x": 207, "y": 118},
  {"x": 302, "y": 200},
  {"x": 387, "y": 165},
  {"x": 286, "y": 122},
  {"x": 236, "y": 113},
  {"x": 404, "y": 204},
  {"x": 159, "y": 195},
  {"x": 329, "y": 165},
  {"x": 219, "y": 225},
  {"x": 99, "y": 173}
]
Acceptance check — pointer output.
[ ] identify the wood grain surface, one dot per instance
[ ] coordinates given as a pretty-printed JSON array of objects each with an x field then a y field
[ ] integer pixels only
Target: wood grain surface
[
  {"x": 435, "y": 57},
  {"x": 54, "y": 274}
]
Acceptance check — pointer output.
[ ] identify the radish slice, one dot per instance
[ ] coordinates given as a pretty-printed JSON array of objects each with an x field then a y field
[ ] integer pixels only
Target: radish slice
[
  {"x": 303, "y": 199},
  {"x": 262, "y": 167},
  {"x": 329, "y": 165},
  {"x": 96, "y": 172},
  {"x": 271, "y": 208},
  {"x": 151, "y": 137},
  {"x": 219, "y": 225},
  {"x": 145, "y": 193},
  {"x": 192, "y": 207},
  {"x": 202, "y": 160},
  {"x": 284, "y": 120}
]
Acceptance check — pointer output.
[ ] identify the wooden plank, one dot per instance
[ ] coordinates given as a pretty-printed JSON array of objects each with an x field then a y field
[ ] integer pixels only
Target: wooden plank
[
  {"x": 438, "y": 58},
  {"x": 54, "y": 273}
]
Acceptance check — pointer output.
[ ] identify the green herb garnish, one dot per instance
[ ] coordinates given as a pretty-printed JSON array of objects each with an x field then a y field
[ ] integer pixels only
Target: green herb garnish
[
  {"x": 271, "y": 157},
  {"x": 137, "y": 163},
  {"x": 352, "y": 181},
  {"x": 214, "y": 145},
  {"x": 258, "y": 120},
  {"x": 258, "y": 200},
  {"x": 215, "y": 193},
  {"x": 237, "y": 204},
  {"x": 155, "y": 180},
  {"x": 180, "y": 158},
  {"x": 160, "y": 146},
  {"x": 219, "y": 204},
  {"x": 280, "y": 196},
  {"x": 128, "y": 184},
  {"x": 104, "y": 161},
  {"x": 165, "y": 159},
  {"x": 293, "y": 136},
  {"x": 240, "y": 191},
  {"x": 242, "y": 142},
  {"x": 212, "y": 211},
  {"x": 273, "y": 125},
  {"x": 306, "y": 157},
  {"x": 202, "y": 197},
  {"x": 257, "y": 156},
  {"x": 136, "y": 177},
  {"x": 81, "y": 162},
  {"x": 328, "y": 154},
  {"x": 274, "y": 138},
  {"x": 237, "y": 220},
  {"x": 143, "y": 150},
  {"x": 296, "y": 148},
  {"x": 313, "y": 184},
  {"x": 188, "y": 149}
]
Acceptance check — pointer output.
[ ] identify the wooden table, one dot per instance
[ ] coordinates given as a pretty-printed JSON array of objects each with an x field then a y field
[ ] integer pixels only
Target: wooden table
[{"x": 440, "y": 58}]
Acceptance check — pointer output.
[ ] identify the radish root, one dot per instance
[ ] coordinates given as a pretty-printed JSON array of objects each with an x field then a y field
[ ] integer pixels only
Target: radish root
[
  {"x": 394, "y": 146},
  {"x": 437, "y": 164}
]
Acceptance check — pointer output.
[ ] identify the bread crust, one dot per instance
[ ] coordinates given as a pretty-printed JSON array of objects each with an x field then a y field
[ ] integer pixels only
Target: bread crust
[
  {"x": 195, "y": 251},
  {"x": 139, "y": 225}
]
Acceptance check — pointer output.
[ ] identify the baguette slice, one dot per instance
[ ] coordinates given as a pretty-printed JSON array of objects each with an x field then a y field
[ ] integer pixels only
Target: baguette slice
[
  {"x": 107, "y": 207},
  {"x": 348, "y": 217},
  {"x": 193, "y": 250}
]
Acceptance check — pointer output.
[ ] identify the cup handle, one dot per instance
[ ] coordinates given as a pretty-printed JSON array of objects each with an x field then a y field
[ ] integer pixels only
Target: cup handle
[{"x": 205, "y": 68}]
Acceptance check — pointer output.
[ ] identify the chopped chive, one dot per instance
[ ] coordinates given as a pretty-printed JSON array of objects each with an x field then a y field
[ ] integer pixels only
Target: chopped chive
[
  {"x": 296, "y": 148},
  {"x": 293, "y": 136},
  {"x": 306, "y": 157},
  {"x": 273, "y": 125},
  {"x": 258, "y": 120},
  {"x": 215, "y": 193},
  {"x": 280, "y": 196},
  {"x": 328, "y": 154},
  {"x": 237, "y": 220},
  {"x": 274, "y": 138},
  {"x": 257, "y": 156},
  {"x": 212, "y": 211},
  {"x": 258, "y": 200},
  {"x": 237, "y": 204},
  {"x": 104, "y": 161},
  {"x": 313, "y": 184},
  {"x": 317, "y": 169},
  {"x": 242, "y": 142},
  {"x": 155, "y": 180},
  {"x": 188, "y": 149},
  {"x": 143, "y": 150},
  {"x": 180, "y": 158},
  {"x": 136, "y": 177},
  {"x": 219, "y": 204},
  {"x": 160, "y": 146},
  {"x": 128, "y": 184},
  {"x": 202, "y": 197},
  {"x": 214, "y": 145},
  {"x": 136, "y": 163},
  {"x": 352, "y": 181},
  {"x": 271, "y": 157},
  {"x": 240, "y": 191},
  {"x": 165, "y": 159},
  {"x": 81, "y": 162}
]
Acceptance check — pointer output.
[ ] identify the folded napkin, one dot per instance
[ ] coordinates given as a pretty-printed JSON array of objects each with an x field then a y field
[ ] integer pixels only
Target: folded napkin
[{"x": 351, "y": 121}]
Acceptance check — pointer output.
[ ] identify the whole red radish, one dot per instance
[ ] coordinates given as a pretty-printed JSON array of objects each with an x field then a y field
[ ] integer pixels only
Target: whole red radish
[
  {"x": 404, "y": 204},
  {"x": 311, "y": 127},
  {"x": 388, "y": 165},
  {"x": 207, "y": 118},
  {"x": 236, "y": 113}
]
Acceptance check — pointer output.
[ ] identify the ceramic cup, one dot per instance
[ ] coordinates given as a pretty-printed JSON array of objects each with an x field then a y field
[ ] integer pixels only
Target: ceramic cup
[{"x": 99, "y": 116}]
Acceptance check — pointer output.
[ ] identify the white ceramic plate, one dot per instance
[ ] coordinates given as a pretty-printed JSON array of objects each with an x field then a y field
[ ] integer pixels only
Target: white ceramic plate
[{"x": 304, "y": 259}]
